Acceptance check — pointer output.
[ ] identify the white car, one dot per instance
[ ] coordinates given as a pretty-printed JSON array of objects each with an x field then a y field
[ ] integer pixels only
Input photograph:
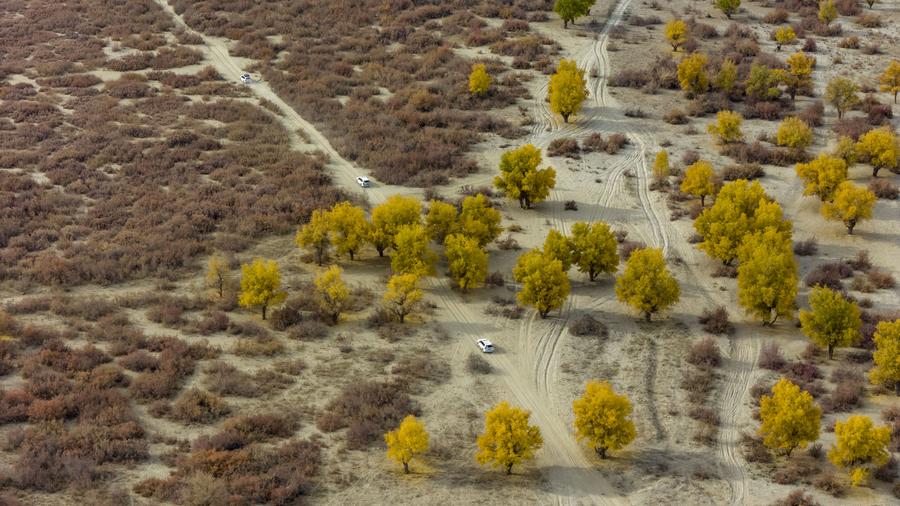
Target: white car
[
  {"x": 485, "y": 345},
  {"x": 363, "y": 181},
  {"x": 246, "y": 79}
]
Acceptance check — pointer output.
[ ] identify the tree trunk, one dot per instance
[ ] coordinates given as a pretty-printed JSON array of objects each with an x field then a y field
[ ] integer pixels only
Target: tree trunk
[
  {"x": 543, "y": 314},
  {"x": 509, "y": 468},
  {"x": 406, "y": 468},
  {"x": 897, "y": 388},
  {"x": 850, "y": 225},
  {"x": 840, "y": 113},
  {"x": 778, "y": 47},
  {"x": 601, "y": 451},
  {"x": 565, "y": 118},
  {"x": 402, "y": 315},
  {"x": 875, "y": 171},
  {"x": 351, "y": 255},
  {"x": 830, "y": 352},
  {"x": 264, "y": 311},
  {"x": 647, "y": 316},
  {"x": 702, "y": 200},
  {"x": 895, "y": 98},
  {"x": 565, "y": 23},
  {"x": 380, "y": 251},
  {"x": 592, "y": 274},
  {"x": 789, "y": 450}
]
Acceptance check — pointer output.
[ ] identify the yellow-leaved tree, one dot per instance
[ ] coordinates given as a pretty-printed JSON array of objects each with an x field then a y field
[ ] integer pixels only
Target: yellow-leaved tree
[
  {"x": 331, "y": 292},
  {"x": 508, "y": 438},
  {"x": 467, "y": 260},
  {"x": 741, "y": 209},
  {"x": 727, "y": 128},
  {"x": 789, "y": 417},
  {"x": 407, "y": 441},
  {"x": 851, "y": 204},
  {"x": 558, "y": 247},
  {"x": 887, "y": 356},
  {"x": 567, "y": 89},
  {"x": 661, "y": 166},
  {"x": 798, "y": 76},
  {"x": 544, "y": 282},
  {"x": 402, "y": 295},
  {"x": 261, "y": 285},
  {"x": 763, "y": 83},
  {"x": 646, "y": 284},
  {"x": 827, "y": 11},
  {"x": 350, "y": 230},
  {"x": 315, "y": 236},
  {"x": 594, "y": 248},
  {"x": 860, "y": 446},
  {"x": 794, "y": 133},
  {"x": 728, "y": 7},
  {"x": 767, "y": 275},
  {"x": 389, "y": 216},
  {"x": 602, "y": 418},
  {"x": 217, "y": 273},
  {"x": 845, "y": 150},
  {"x": 784, "y": 35},
  {"x": 842, "y": 94},
  {"x": 440, "y": 221},
  {"x": 822, "y": 176},
  {"x": 890, "y": 79},
  {"x": 479, "y": 220},
  {"x": 726, "y": 77},
  {"x": 520, "y": 177},
  {"x": 692, "y": 75},
  {"x": 880, "y": 148},
  {"x": 412, "y": 253},
  {"x": 568, "y": 10},
  {"x": 677, "y": 33},
  {"x": 833, "y": 322},
  {"x": 479, "y": 80},
  {"x": 698, "y": 181}
]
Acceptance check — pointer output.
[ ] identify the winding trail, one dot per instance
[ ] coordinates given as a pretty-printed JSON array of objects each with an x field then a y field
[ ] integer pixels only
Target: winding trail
[{"x": 530, "y": 367}]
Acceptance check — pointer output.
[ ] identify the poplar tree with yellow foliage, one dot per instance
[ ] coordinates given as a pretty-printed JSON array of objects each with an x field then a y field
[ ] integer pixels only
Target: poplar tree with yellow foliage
[
  {"x": 784, "y": 35},
  {"x": 508, "y": 438},
  {"x": 727, "y": 128},
  {"x": 798, "y": 76},
  {"x": 315, "y": 236},
  {"x": 698, "y": 181},
  {"x": 217, "y": 273},
  {"x": 594, "y": 249},
  {"x": 794, "y": 133},
  {"x": 520, "y": 177},
  {"x": 661, "y": 168},
  {"x": 567, "y": 89},
  {"x": 545, "y": 285},
  {"x": 767, "y": 275},
  {"x": 261, "y": 285},
  {"x": 851, "y": 205},
  {"x": 647, "y": 285},
  {"x": 468, "y": 262},
  {"x": 887, "y": 356},
  {"x": 822, "y": 176},
  {"x": 389, "y": 216},
  {"x": 827, "y": 11},
  {"x": 402, "y": 295},
  {"x": 479, "y": 220},
  {"x": 602, "y": 418},
  {"x": 441, "y": 220},
  {"x": 407, "y": 441},
  {"x": 558, "y": 247},
  {"x": 677, "y": 33},
  {"x": 860, "y": 447},
  {"x": 789, "y": 417},
  {"x": 880, "y": 148},
  {"x": 331, "y": 292},
  {"x": 412, "y": 253},
  {"x": 479, "y": 80},
  {"x": 833, "y": 320},
  {"x": 692, "y": 75},
  {"x": 890, "y": 79},
  {"x": 349, "y": 229}
]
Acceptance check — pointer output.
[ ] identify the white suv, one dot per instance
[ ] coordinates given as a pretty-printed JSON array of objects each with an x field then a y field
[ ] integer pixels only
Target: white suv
[
  {"x": 485, "y": 345},
  {"x": 363, "y": 181},
  {"x": 246, "y": 79}
]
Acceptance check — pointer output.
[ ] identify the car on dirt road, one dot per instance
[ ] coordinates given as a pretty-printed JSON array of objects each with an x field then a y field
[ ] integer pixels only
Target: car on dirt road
[
  {"x": 246, "y": 79},
  {"x": 485, "y": 345},
  {"x": 363, "y": 181}
]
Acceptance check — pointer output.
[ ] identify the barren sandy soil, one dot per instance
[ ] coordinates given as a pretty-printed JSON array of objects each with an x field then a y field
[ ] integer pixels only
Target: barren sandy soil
[{"x": 539, "y": 365}]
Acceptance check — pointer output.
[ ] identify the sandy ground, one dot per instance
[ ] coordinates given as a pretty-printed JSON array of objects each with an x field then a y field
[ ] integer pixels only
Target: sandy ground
[{"x": 539, "y": 366}]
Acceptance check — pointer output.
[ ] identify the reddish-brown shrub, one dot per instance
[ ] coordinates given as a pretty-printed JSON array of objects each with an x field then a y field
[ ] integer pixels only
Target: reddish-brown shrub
[
  {"x": 368, "y": 409},
  {"x": 806, "y": 247},
  {"x": 197, "y": 406},
  {"x": 715, "y": 321},
  {"x": 564, "y": 146},
  {"x": 883, "y": 189},
  {"x": 139, "y": 361},
  {"x": 851, "y": 127},
  {"x": 770, "y": 357}
]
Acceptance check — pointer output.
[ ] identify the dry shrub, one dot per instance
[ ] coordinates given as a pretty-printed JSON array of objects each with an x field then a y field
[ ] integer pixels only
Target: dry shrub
[
  {"x": 496, "y": 278},
  {"x": 806, "y": 247},
  {"x": 284, "y": 317},
  {"x": 308, "y": 329},
  {"x": 754, "y": 450},
  {"x": 139, "y": 361},
  {"x": 215, "y": 321},
  {"x": 675, "y": 117},
  {"x": 587, "y": 325},
  {"x": 770, "y": 357},
  {"x": 828, "y": 275},
  {"x": 830, "y": 484},
  {"x": 748, "y": 171},
  {"x": 631, "y": 78},
  {"x": 888, "y": 472},
  {"x": 797, "y": 497},
  {"x": 881, "y": 279},
  {"x": 846, "y": 396},
  {"x": 421, "y": 367},
  {"x": 715, "y": 321},
  {"x": 368, "y": 409},
  {"x": 849, "y": 42},
  {"x": 851, "y": 127},
  {"x": 848, "y": 7},
  {"x": 198, "y": 406},
  {"x": 626, "y": 248},
  {"x": 705, "y": 415},
  {"x": 564, "y": 146},
  {"x": 705, "y": 353},
  {"x": 869, "y": 21},
  {"x": 776, "y": 16},
  {"x": 699, "y": 383},
  {"x": 258, "y": 346},
  {"x": 476, "y": 364}
]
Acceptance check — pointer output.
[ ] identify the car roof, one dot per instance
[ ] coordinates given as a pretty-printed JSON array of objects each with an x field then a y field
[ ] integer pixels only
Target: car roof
[{"x": 364, "y": 178}]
